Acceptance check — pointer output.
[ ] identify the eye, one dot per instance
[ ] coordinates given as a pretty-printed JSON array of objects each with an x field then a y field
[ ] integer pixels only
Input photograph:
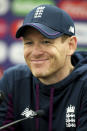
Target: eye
[
  {"x": 28, "y": 43},
  {"x": 46, "y": 42}
]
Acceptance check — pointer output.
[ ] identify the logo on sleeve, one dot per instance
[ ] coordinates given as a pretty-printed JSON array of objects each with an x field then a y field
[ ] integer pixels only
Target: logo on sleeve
[{"x": 70, "y": 116}]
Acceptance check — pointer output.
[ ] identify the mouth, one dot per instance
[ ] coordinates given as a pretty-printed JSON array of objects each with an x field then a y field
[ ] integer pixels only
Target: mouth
[{"x": 38, "y": 61}]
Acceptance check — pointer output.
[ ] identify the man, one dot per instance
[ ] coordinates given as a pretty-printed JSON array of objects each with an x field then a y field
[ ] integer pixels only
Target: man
[{"x": 54, "y": 80}]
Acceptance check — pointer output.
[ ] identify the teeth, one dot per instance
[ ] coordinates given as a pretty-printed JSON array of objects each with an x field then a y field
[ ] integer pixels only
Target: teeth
[{"x": 37, "y": 61}]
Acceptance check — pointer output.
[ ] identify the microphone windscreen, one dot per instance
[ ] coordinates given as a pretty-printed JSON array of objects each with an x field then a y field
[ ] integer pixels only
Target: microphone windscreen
[{"x": 40, "y": 113}]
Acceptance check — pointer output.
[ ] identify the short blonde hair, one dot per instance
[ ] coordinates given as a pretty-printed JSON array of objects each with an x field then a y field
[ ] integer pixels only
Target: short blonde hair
[{"x": 64, "y": 37}]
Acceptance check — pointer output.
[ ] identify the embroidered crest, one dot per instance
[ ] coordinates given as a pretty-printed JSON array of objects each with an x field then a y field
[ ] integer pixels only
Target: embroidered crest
[
  {"x": 39, "y": 12},
  {"x": 70, "y": 116}
]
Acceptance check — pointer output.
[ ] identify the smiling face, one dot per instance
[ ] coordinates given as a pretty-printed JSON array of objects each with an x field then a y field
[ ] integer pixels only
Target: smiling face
[{"x": 45, "y": 57}]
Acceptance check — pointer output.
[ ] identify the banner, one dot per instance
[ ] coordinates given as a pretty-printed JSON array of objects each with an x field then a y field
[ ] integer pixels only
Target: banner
[{"x": 77, "y": 9}]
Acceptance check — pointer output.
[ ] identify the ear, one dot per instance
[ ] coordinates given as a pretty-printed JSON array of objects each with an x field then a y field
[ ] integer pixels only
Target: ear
[{"x": 72, "y": 45}]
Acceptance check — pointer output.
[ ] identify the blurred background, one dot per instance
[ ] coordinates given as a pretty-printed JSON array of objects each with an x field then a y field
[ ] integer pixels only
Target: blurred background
[{"x": 12, "y": 13}]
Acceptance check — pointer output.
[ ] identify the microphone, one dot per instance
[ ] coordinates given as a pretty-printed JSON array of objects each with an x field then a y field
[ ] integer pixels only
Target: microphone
[
  {"x": 37, "y": 114},
  {"x": 40, "y": 113}
]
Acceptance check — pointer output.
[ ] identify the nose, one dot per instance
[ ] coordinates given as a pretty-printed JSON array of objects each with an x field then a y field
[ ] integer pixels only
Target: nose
[{"x": 37, "y": 50}]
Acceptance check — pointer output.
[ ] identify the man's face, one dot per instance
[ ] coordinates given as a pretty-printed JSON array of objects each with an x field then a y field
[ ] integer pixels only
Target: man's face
[{"x": 45, "y": 57}]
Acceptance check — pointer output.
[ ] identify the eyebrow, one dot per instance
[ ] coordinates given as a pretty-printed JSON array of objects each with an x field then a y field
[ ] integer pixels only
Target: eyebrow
[{"x": 42, "y": 37}]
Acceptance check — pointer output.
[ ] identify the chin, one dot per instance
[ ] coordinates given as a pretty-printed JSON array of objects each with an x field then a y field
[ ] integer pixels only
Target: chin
[{"x": 39, "y": 74}]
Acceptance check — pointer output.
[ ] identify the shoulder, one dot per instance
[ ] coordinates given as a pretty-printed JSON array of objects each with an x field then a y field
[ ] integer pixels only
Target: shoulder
[{"x": 18, "y": 72}]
